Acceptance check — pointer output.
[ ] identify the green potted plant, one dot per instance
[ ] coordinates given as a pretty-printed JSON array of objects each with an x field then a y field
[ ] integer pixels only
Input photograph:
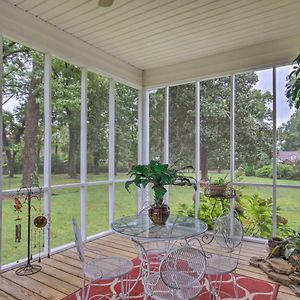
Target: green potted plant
[
  {"x": 159, "y": 175},
  {"x": 292, "y": 250},
  {"x": 216, "y": 187},
  {"x": 293, "y": 84}
]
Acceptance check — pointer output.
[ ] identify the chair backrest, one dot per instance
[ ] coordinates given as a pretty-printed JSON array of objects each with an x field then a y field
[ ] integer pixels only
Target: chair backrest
[
  {"x": 183, "y": 267},
  {"x": 228, "y": 232},
  {"x": 78, "y": 241}
]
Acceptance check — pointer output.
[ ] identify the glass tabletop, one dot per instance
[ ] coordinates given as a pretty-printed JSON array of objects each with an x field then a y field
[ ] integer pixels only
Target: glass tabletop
[{"x": 177, "y": 227}]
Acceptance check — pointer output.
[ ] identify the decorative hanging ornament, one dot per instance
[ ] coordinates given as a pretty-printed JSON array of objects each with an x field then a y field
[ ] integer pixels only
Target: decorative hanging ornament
[
  {"x": 18, "y": 205},
  {"x": 18, "y": 228},
  {"x": 18, "y": 232},
  {"x": 40, "y": 221}
]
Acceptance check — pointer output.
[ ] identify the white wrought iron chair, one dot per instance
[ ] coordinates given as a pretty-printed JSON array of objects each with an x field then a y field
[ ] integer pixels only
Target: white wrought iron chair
[
  {"x": 102, "y": 267},
  {"x": 228, "y": 235},
  {"x": 176, "y": 277}
]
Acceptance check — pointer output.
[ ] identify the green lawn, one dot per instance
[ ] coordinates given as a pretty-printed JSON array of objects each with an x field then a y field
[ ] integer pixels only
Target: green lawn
[{"x": 66, "y": 203}]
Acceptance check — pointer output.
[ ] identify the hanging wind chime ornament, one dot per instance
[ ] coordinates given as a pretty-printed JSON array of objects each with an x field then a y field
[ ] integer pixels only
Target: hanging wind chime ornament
[
  {"x": 18, "y": 208},
  {"x": 39, "y": 222},
  {"x": 18, "y": 227}
]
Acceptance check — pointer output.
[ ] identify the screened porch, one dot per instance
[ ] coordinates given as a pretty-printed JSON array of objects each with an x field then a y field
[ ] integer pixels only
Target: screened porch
[{"x": 89, "y": 91}]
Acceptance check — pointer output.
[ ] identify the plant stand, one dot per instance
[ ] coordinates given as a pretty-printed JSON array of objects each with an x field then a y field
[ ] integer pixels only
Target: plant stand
[{"x": 227, "y": 196}]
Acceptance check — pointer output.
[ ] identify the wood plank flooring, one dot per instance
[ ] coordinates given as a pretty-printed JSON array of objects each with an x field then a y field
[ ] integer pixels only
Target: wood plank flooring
[{"x": 61, "y": 274}]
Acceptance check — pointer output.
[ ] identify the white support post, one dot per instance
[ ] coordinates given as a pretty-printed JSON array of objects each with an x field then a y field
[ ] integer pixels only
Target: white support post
[
  {"x": 83, "y": 153},
  {"x": 232, "y": 140},
  {"x": 1, "y": 146},
  {"x": 274, "y": 154},
  {"x": 146, "y": 131},
  {"x": 140, "y": 143},
  {"x": 166, "y": 137},
  {"x": 111, "y": 150},
  {"x": 197, "y": 148},
  {"x": 47, "y": 148},
  {"x": 146, "y": 139}
]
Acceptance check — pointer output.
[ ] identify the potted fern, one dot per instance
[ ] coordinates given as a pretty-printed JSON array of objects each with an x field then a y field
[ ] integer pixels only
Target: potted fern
[{"x": 159, "y": 175}]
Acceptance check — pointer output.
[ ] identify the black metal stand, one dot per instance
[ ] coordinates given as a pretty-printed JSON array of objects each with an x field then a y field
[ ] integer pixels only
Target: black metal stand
[
  {"x": 226, "y": 196},
  {"x": 29, "y": 268}
]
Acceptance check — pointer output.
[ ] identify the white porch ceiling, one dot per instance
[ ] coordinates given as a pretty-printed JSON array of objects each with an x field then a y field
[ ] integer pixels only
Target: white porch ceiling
[{"x": 149, "y": 34}]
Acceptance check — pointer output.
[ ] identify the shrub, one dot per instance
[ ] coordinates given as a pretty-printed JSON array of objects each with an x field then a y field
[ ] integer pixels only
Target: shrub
[
  {"x": 249, "y": 170},
  {"x": 285, "y": 171},
  {"x": 58, "y": 165},
  {"x": 255, "y": 211},
  {"x": 265, "y": 171}
]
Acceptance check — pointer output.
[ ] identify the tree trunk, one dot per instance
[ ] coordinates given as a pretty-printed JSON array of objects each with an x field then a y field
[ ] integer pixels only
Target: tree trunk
[
  {"x": 11, "y": 169},
  {"x": 204, "y": 162},
  {"x": 72, "y": 150},
  {"x": 31, "y": 129},
  {"x": 96, "y": 166},
  {"x": 10, "y": 162}
]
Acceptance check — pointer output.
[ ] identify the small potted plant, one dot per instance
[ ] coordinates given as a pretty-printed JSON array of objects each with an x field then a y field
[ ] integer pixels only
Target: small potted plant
[
  {"x": 217, "y": 187},
  {"x": 159, "y": 175}
]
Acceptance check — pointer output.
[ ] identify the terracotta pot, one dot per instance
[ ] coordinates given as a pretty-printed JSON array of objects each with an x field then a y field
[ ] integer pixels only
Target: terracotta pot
[
  {"x": 217, "y": 189},
  {"x": 159, "y": 214}
]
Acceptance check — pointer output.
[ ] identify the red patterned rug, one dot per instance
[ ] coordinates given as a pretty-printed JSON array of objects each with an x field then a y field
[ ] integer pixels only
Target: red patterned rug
[{"x": 248, "y": 288}]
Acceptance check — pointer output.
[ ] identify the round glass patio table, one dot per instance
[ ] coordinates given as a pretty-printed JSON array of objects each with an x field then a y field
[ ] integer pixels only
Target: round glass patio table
[{"x": 176, "y": 227}]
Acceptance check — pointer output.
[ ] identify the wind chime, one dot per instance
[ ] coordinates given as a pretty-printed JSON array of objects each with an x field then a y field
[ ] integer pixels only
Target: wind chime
[{"x": 36, "y": 223}]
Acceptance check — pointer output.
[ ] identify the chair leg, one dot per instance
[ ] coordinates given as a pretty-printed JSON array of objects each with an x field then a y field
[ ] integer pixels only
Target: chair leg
[
  {"x": 88, "y": 290},
  {"x": 235, "y": 286},
  {"x": 83, "y": 288},
  {"x": 210, "y": 292}
]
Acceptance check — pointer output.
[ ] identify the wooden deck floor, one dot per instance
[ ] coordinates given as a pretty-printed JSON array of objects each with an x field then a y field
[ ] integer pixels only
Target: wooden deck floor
[{"x": 61, "y": 274}]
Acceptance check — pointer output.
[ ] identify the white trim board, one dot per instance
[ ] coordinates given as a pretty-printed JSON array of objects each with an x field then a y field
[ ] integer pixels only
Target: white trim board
[
  {"x": 33, "y": 32},
  {"x": 257, "y": 56}
]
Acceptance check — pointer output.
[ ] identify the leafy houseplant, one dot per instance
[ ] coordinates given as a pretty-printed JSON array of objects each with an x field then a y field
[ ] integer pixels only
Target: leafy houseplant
[
  {"x": 158, "y": 175},
  {"x": 293, "y": 84}
]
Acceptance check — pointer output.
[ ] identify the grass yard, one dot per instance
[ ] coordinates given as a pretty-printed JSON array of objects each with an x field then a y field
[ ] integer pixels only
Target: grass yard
[{"x": 66, "y": 204}]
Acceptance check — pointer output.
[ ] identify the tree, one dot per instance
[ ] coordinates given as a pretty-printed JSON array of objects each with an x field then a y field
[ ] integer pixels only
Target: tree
[
  {"x": 182, "y": 124},
  {"x": 66, "y": 111},
  {"x": 98, "y": 96},
  {"x": 126, "y": 127},
  {"x": 21, "y": 89},
  {"x": 253, "y": 123},
  {"x": 289, "y": 134},
  {"x": 293, "y": 84},
  {"x": 32, "y": 119},
  {"x": 12, "y": 134},
  {"x": 157, "y": 111}
]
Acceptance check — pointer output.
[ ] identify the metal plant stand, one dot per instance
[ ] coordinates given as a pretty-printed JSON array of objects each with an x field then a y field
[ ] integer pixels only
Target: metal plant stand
[{"x": 227, "y": 196}]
